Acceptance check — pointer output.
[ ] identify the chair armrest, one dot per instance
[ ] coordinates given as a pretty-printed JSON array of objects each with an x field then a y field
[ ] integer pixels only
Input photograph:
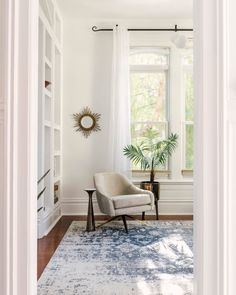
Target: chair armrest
[
  {"x": 105, "y": 204},
  {"x": 132, "y": 189}
]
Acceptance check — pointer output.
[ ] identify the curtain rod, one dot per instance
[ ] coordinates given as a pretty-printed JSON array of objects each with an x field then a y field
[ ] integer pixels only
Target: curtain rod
[{"x": 175, "y": 29}]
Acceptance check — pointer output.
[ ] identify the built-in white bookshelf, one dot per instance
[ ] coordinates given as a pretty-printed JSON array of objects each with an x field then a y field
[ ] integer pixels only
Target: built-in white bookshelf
[{"x": 49, "y": 115}]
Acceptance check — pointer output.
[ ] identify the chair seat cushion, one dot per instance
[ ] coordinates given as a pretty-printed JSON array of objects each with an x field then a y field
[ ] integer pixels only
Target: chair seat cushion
[{"x": 125, "y": 201}]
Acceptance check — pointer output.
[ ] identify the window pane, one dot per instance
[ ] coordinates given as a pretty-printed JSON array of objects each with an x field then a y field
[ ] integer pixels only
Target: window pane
[
  {"x": 148, "y": 97},
  {"x": 148, "y": 59},
  {"x": 138, "y": 131},
  {"x": 189, "y": 146},
  {"x": 188, "y": 92}
]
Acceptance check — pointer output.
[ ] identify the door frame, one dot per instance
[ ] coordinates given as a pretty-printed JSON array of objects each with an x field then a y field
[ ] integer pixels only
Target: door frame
[
  {"x": 211, "y": 199},
  {"x": 18, "y": 96},
  {"x": 19, "y": 22}
]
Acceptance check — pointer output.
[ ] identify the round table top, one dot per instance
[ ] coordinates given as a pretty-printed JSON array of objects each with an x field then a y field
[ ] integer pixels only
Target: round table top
[{"x": 90, "y": 189}]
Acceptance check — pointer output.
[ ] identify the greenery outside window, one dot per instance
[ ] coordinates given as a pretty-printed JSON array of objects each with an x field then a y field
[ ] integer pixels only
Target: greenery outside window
[
  {"x": 149, "y": 79},
  {"x": 188, "y": 120}
]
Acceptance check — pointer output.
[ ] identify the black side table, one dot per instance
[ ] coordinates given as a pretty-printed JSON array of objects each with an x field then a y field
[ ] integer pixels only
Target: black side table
[{"x": 90, "y": 217}]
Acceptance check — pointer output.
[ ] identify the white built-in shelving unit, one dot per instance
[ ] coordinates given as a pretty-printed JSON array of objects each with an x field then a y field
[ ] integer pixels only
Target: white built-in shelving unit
[{"x": 49, "y": 115}]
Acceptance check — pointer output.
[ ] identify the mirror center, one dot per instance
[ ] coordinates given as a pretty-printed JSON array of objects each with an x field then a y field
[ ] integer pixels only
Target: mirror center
[{"x": 87, "y": 122}]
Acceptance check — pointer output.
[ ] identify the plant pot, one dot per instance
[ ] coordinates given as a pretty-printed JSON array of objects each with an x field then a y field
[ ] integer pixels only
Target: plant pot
[
  {"x": 155, "y": 188},
  {"x": 151, "y": 186}
]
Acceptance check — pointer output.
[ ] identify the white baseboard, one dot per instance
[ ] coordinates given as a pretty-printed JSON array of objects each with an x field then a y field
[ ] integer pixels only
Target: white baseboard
[
  {"x": 47, "y": 223},
  {"x": 166, "y": 207}
]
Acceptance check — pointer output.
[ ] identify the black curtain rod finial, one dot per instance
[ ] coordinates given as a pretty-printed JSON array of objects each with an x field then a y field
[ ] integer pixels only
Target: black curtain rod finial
[{"x": 95, "y": 29}]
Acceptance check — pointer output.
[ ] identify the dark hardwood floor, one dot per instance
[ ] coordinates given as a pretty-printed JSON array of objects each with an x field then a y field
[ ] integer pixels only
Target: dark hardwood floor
[{"x": 48, "y": 244}]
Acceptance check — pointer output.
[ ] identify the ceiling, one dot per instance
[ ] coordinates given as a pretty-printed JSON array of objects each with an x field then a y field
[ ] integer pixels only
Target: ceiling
[{"x": 126, "y": 9}]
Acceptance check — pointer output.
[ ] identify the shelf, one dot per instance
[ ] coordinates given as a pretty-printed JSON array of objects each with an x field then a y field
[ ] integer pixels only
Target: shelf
[
  {"x": 57, "y": 27},
  {"x": 49, "y": 129},
  {"x": 48, "y": 46},
  {"x": 48, "y": 77},
  {"x": 58, "y": 46},
  {"x": 47, "y": 109},
  {"x": 57, "y": 140},
  {"x": 57, "y": 179},
  {"x": 57, "y": 203},
  {"x": 47, "y": 124},
  {"x": 57, "y": 127},
  {"x": 48, "y": 10},
  {"x": 57, "y": 87},
  {"x": 57, "y": 153},
  {"x": 56, "y": 190},
  {"x": 57, "y": 167},
  {"x": 47, "y": 62},
  {"x": 47, "y": 92}
]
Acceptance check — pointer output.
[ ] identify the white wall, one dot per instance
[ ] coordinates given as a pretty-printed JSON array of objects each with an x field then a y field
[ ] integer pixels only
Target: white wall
[
  {"x": 87, "y": 68},
  {"x": 87, "y": 61}
]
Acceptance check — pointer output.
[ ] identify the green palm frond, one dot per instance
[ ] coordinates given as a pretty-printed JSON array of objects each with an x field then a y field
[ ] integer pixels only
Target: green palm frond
[
  {"x": 165, "y": 149},
  {"x": 135, "y": 154},
  {"x": 151, "y": 153}
]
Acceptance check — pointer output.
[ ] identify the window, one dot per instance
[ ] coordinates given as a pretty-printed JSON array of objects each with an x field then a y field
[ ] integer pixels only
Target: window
[
  {"x": 161, "y": 95},
  {"x": 187, "y": 64},
  {"x": 149, "y": 91}
]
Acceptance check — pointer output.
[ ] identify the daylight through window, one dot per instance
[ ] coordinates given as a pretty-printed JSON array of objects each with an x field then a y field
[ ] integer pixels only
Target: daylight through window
[
  {"x": 149, "y": 92},
  {"x": 161, "y": 96}
]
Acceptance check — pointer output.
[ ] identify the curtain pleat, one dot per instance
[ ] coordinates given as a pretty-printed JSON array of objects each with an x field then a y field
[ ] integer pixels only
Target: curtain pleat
[{"x": 119, "y": 126}]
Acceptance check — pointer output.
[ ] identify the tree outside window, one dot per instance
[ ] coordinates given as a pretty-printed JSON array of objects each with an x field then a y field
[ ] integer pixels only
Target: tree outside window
[
  {"x": 187, "y": 64},
  {"x": 149, "y": 95}
]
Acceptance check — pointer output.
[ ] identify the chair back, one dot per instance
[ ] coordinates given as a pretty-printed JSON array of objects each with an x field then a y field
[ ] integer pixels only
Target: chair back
[{"x": 111, "y": 183}]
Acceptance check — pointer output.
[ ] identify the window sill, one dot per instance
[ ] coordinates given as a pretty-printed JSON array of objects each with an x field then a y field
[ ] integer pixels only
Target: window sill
[
  {"x": 148, "y": 171},
  {"x": 146, "y": 174},
  {"x": 164, "y": 181},
  {"x": 188, "y": 173},
  {"x": 163, "y": 176}
]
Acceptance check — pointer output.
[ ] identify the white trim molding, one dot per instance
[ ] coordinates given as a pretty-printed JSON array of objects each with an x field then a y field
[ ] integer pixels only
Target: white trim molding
[
  {"x": 4, "y": 243},
  {"x": 227, "y": 50},
  {"x": 175, "y": 199},
  {"x": 48, "y": 222},
  {"x": 212, "y": 204},
  {"x": 19, "y": 47},
  {"x": 79, "y": 206}
]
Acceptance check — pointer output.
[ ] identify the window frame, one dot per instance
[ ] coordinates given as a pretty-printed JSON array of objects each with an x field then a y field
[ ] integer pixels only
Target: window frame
[
  {"x": 185, "y": 69},
  {"x": 155, "y": 69}
]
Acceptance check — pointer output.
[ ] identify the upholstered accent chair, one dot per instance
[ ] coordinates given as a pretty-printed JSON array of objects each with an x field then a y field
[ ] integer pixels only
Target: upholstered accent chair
[{"x": 118, "y": 197}]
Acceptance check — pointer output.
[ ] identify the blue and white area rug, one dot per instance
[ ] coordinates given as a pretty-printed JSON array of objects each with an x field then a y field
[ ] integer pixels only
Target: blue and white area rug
[{"x": 155, "y": 258}]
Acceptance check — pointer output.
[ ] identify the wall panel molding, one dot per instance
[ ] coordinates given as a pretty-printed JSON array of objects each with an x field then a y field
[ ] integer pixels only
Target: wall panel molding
[
  {"x": 175, "y": 199},
  {"x": 167, "y": 207}
]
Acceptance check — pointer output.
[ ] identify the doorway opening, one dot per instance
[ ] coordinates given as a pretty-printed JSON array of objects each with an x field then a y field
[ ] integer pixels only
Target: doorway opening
[{"x": 75, "y": 71}]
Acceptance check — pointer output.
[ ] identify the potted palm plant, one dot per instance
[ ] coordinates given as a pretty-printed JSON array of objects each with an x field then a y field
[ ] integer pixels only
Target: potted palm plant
[{"x": 151, "y": 153}]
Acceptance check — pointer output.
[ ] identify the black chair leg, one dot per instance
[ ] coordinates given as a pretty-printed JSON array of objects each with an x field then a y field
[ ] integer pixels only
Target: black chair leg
[
  {"x": 143, "y": 215},
  {"x": 111, "y": 219},
  {"x": 125, "y": 224}
]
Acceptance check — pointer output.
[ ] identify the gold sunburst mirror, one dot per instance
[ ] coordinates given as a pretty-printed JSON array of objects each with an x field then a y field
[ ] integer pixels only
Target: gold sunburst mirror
[{"x": 87, "y": 121}]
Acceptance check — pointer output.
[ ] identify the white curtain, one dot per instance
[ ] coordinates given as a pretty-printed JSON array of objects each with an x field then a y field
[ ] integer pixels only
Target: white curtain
[{"x": 119, "y": 127}]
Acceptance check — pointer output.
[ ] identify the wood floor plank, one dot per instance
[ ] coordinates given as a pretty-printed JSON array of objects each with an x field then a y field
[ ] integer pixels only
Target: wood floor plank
[{"x": 48, "y": 245}]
